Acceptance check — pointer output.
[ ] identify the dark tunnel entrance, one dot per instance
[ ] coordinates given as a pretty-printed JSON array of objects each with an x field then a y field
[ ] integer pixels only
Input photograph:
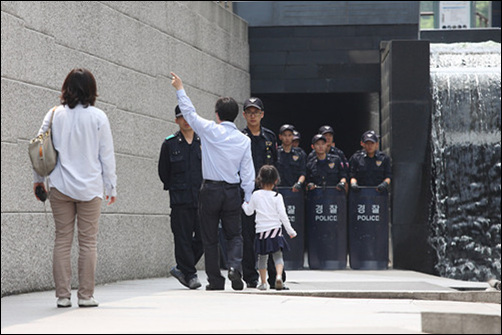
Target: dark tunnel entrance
[{"x": 350, "y": 114}]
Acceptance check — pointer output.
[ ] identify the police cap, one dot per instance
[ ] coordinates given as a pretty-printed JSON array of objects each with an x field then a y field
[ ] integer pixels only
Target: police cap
[
  {"x": 177, "y": 111},
  {"x": 287, "y": 127},
  {"x": 369, "y": 135},
  {"x": 296, "y": 135},
  {"x": 318, "y": 137},
  {"x": 326, "y": 129},
  {"x": 253, "y": 102}
]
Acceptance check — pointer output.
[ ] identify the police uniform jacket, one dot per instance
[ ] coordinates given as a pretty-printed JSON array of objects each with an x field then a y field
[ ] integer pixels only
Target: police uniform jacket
[
  {"x": 291, "y": 165},
  {"x": 327, "y": 172},
  {"x": 263, "y": 148},
  {"x": 333, "y": 151},
  {"x": 370, "y": 171},
  {"x": 180, "y": 169}
]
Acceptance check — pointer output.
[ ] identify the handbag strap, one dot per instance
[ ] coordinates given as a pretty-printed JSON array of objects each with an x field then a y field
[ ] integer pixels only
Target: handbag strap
[
  {"x": 52, "y": 116},
  {"x": 47, "y": 179}
]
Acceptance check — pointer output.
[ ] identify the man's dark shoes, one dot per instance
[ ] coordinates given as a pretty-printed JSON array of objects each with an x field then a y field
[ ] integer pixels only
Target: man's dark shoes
[
  {"x": 176, "y": 273},
  {"x": 235, "y": 278},
  {"x": 210, "y": 288},
  {"x": 252, "y": 284}
]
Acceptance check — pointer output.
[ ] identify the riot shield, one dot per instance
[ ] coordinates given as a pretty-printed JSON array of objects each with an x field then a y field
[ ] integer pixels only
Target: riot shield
[
  {"x": 368, "y": 229},
  {"x": 326, "y": 227},
  {"x": 295, "y": 208}
]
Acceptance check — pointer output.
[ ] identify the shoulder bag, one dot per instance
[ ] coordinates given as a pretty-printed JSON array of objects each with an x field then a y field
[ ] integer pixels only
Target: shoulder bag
[{"x": 42, "y": 153}]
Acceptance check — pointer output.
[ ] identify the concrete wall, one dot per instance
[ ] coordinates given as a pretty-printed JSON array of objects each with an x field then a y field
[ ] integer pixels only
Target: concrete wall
[
  {"x": 405, "y": 124},
  {"x": 130, "y": 47},
  {"x": 322, "y": 46},
  {"x": 326, "y": 13}
]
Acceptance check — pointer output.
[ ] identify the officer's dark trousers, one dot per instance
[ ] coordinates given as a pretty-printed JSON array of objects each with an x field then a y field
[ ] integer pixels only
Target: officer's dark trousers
[
  {"x": 250, "y": 274},
  {"x": 188, "y": 250},
  {"x": 220, "y": 201}
]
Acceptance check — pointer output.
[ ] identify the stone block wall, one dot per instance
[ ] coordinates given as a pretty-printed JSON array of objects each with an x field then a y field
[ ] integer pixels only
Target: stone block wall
[{"x": 130, "y": 47}]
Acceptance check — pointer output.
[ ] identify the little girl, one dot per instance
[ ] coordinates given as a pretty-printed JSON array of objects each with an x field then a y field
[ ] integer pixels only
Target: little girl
[{"x": 270, "y": 216}]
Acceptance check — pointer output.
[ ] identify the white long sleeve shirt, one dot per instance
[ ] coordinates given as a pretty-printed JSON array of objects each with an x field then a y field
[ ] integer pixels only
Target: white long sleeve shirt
[
  {"x": 270, "y": 211},
  {"x": 86, "y": 159},
  {"x": 226, "y": 151}
]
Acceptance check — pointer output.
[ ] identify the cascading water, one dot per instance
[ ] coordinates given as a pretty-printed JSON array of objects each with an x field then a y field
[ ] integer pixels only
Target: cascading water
[{"x": 466, "y": 159}]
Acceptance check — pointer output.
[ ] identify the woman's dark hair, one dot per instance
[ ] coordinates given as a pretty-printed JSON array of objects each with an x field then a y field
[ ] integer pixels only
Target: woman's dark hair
[
  {"x": 79, "y": 87},
  {"x": 267, "y": 175},
  {"x": 227, "y": 109}
]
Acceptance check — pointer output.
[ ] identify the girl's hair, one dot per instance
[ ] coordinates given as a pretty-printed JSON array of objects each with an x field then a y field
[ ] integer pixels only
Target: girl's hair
[
  {"x": 268, "y": 175},
  {"x": 79, "y": 87}
]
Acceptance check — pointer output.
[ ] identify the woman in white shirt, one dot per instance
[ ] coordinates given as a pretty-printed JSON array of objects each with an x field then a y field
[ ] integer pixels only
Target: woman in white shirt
[
  {"x": 86, "y": 165},
  {"x": 270, "y": 216}
]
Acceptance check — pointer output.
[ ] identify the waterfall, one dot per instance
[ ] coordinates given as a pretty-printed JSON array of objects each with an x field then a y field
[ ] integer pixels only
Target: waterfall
[{"x": 466, "y": 159}]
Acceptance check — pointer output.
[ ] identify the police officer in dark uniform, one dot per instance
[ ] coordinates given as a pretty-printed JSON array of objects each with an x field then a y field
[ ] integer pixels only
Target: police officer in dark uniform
[
  {"x": 291, "y": 161},
  {"x": 296, "y": 141},
  {"x": 181, "y": 172},
  {"x": 369, "y": 166},
  {"x": 324, "y": 169},
  {"x": 263, "y": 140},
  {"x": 329, "y": 134},
  {"x": 264, "y": 151}
]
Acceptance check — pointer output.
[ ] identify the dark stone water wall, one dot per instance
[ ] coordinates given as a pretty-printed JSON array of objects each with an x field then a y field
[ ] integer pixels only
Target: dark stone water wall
[{"x": 466, "y": 160}]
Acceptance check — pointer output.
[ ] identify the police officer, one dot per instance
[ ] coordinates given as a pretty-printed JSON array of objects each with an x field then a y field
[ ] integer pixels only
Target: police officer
[
  {"x": 296, "y": 141},
  {"x": 180, "y": 171},
  {"x": 296, "y": 138},
  {"x": 264, "y": 151},
  {"x": 369, "y": 166},
  {"x": 291, "y": 161},
  {"x": 263, "y": 140},
  {"x": 329, "y": 134},
  {"x": 324, "y": 169}
]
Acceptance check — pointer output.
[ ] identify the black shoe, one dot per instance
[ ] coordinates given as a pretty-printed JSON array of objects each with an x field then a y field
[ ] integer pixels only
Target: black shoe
[
  {"x": 176, "y": 273},
  {"x": 194, "y": 283},
  {"x": 235, "y": 278},
  {"x": 210, "y": 288},
  {"x": 252, "y": 284}
]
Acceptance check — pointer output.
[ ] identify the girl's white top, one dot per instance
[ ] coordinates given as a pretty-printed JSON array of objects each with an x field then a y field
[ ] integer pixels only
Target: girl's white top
[{"x": 270, "y": 211}]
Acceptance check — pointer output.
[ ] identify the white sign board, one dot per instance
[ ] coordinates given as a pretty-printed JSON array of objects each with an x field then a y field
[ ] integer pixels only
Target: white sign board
[{"x": 454, "y": 14}]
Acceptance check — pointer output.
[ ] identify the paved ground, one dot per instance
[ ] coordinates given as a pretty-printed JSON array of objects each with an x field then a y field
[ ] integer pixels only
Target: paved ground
[{"x": 389, "y": 301}]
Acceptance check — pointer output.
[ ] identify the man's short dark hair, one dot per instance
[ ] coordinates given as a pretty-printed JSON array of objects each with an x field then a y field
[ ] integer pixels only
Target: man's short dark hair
[{"x": 227, "y": 109}]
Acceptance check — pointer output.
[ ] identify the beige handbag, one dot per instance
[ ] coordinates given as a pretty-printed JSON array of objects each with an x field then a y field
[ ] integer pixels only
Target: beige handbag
[{"x": 42, "y": 153}]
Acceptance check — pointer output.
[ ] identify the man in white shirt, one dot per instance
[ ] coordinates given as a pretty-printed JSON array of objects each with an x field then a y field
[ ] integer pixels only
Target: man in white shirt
[{"x": 227, "y": 163}]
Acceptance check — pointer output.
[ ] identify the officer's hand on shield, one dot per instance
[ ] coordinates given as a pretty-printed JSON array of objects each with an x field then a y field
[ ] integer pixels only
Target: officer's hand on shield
[
  {"x": 297, "y": 187},
  {"x": 310, "y": 186},
  {"x": 383, "y": 186},
  {"x": 340, "y": 186},
  {"x": 354, "y": 187}
]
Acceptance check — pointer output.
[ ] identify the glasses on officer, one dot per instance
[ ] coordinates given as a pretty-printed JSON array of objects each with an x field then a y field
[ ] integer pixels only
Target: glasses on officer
[{"x": 253, "y": 113}]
